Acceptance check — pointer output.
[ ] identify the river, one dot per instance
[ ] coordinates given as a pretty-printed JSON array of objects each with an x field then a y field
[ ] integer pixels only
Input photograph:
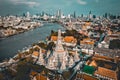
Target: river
[{"x": 10, "y": 46}]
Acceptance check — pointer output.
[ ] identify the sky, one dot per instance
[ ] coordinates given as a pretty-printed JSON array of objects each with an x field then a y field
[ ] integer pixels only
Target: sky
[{"x": 97, "y": 7}]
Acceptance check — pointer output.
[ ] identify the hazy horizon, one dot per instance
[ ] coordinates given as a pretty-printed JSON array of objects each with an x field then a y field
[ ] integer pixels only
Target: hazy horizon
[{"x": 97, "y": 7}]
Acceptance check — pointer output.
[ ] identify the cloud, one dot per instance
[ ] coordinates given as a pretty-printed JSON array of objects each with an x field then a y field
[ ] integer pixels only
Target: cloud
[
  {"x": 25, "y": 2},
  {"x": 96, "y": 1},
  {"x": 82, "y": 2}
]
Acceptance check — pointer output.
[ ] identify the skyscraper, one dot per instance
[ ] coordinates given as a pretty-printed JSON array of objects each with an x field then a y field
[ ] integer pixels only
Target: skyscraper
[
  {"x": 74, "y": 15},
  {"x": 90, "y": 15},
  {"x": 28, "y": 15},
  {"x": 58, "y": 15}
]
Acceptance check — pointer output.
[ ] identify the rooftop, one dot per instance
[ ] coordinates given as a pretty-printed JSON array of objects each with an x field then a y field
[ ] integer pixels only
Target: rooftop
[
  {"x": 88, "y": 69},
  {"x": 102, "y": 61},
  {"x": 54, "y": 38},
  {"x": 69, "y": 39},
  {"x": 85, "y": 76},
  {"x": 108, "y": 52},
  {"x": 106, "y": 72},
  {"x": 35, "y": 53}
]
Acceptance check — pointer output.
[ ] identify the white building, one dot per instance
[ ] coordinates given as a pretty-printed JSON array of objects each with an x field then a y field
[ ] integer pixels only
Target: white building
[
  {"x": 103, "y": 44},
  {"x": 59, "y": 59},
  {"x": 71, "y": 61},
  {"x": 41, "y": 60}
]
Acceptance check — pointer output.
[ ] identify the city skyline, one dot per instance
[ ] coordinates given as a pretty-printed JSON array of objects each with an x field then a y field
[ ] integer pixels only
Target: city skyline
[
  {"x": 97, "y": 7},
  {"x": 59, "y": 40}
]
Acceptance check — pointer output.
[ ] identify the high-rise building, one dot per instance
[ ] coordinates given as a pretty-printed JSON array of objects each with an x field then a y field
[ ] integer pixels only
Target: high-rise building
[
  {"x": 74, "y": 15},
  {"x": 58, "y": 15},
  {"x": 28, "y": 15},
  {"x": 90, "y": 15}
]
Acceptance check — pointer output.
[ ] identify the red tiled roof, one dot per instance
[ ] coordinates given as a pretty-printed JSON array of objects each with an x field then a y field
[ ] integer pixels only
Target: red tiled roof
[
  {"x": 106, "y": 72},
  {"x": 35, "y": 53},
  {"x": 54, "y": 38},
  {"x": 41, "y": 77},
  {"x": 69, "y": 39},
  {"x": 85, "y": 77}
]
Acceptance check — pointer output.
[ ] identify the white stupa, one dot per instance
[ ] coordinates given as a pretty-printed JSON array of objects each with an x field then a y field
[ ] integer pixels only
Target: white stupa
[
  {"x": 60, "y": 56},
  {"x": 41, "y": 60}
]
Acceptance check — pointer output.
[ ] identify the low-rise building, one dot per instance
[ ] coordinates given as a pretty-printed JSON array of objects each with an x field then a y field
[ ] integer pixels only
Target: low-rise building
[
  {"x": 105, "y": 73},
  {"x": 67, "y": 40},
  {"x": 70, "y": 41},
  {"x": 105, "y": 68},
  {"x": 35, "y": 54},
  {"x": 38, "y": 76},
  {"x": 84, "y": 76},
  {"x": 87, "y": 45}
]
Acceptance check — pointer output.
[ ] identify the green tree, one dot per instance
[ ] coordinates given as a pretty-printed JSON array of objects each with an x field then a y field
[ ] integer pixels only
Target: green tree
[{"x": 42, "y": 45}]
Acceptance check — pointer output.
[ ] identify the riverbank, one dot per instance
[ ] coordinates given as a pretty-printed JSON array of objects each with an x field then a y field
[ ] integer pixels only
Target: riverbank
[
  {"x": 10, "y": 31},
  {"x": 10, "y": 46},
  {"x": 19, "y": 32}
]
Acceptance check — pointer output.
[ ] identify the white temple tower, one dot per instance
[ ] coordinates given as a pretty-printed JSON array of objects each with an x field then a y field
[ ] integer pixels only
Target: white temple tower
[
  {"x": 76, "y": 56},
  {"x": 71, "y": 61},
  {"x": 41, "y": 60},
  {"x": 59, "y": 55}
]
